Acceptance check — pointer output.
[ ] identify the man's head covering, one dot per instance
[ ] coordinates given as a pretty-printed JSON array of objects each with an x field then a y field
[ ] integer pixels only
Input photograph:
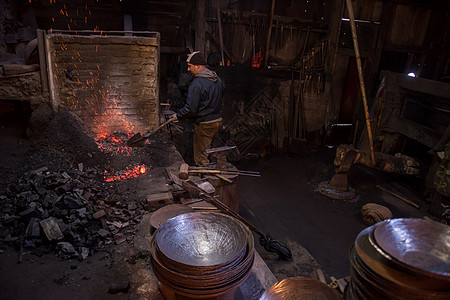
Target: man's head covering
[{"x": 196, "y": 58}]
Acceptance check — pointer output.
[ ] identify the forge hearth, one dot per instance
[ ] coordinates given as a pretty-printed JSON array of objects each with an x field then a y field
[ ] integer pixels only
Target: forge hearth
[{"x": 110, "y": 81}]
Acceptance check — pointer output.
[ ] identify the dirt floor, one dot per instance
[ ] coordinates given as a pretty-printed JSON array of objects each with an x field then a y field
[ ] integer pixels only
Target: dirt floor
[
  {"x": 41, "y": 162},
  {"x": 285, "y": 203}
]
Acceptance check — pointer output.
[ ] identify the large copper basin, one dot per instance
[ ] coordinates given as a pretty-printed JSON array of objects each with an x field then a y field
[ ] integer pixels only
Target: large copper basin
[
  {"x": 419, "y": 243},
  {"x": 201, "y": 239}
]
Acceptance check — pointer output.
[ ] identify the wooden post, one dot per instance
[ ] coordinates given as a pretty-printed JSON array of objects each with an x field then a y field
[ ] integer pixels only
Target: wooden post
[
  {"x": 219, "y": 22},
  {"x": 361, "y": 77},
  {"x": 333, "y": 80},
  {"x": 51, "y": 82},
  {"x": 42, "y": 60},
  {"x": 269, "y": 33},
  {"x": 200, "y": 27}
]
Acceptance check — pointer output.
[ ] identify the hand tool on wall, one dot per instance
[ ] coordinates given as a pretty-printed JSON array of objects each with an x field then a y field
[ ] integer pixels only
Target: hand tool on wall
[
  {"x": 138, "y": 140},
  {"x": 269, "y": 244}
]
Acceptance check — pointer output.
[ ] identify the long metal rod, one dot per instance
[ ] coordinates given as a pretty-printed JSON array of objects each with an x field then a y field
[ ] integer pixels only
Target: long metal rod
[
  {"x": 222, "y": 172},
  {"x": 361, "y": 77},
  {"x": 226, "y": 170}
]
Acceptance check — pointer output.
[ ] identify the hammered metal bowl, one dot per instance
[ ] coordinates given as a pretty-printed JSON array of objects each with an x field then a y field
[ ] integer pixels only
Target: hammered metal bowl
[
  {"x": 191, "y": 281},
  {"x": 423, "y": 245},
  {"x": 377, "y": 275},
  {"x": 201, "y": 240},
  {"x": 201, "y": 280},
  {"x": 300, "y": 288}
]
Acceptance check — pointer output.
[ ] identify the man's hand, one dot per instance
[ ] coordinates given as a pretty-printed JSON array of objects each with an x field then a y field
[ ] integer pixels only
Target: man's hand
[{"x": 174, "y": 117}]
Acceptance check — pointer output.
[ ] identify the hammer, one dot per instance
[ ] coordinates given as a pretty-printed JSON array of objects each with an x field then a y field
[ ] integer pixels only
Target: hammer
[{"x": 184, "y": 173}]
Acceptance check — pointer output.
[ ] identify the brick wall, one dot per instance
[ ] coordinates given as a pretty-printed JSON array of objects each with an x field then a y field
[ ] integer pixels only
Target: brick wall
[{"x": 110, "y": 82}]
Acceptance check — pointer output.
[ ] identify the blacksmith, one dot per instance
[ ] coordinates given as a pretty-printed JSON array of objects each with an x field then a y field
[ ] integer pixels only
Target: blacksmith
[{"x": 203, "y": 105}]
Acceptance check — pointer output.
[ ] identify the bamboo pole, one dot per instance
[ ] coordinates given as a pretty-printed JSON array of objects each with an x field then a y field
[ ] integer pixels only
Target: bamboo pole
[
  {"x": 361, "y": 78},
  {"x": 269, "y": 33}
]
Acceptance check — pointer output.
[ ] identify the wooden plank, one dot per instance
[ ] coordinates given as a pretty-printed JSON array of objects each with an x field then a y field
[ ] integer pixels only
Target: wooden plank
[
  {"x": 19, "y": 69},
  {"x": 409, "y": 25},
  {"x": 368, "y": 10},
  {"x": 158, "y": 200},
  {"x": 174, "y": 178},
  {"x": 431, "y": 87},
  {"x": 385, "y": 21},
  {"x": 417, "y": 132},
  {"x": 321, "y": 276},
  {"x": 50, "y": 78},
  {"x": 336, "y": 76},
  {"x": 42, "y": 60}
]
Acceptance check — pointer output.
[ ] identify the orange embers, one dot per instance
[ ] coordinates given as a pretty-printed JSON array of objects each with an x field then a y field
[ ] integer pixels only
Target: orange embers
[{"x": 125, "y": 174}]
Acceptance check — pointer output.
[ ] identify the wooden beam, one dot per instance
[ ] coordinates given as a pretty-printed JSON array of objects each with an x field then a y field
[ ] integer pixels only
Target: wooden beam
[
  {"x": 219, "y": 22},
  {"x": 408, "y": 49},
  {"x": 42, "y": 61},
  {"x": 269, "y": 33},
  {"x": 200, "y": 26},
  {"x": 334, "y": 90},
  {"x": 385, "y": 22},
  {"x": 413, "y": 130}
]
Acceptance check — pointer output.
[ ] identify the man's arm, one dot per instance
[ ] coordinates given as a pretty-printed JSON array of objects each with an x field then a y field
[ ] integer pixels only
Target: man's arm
[{"x": 190, "y": 109}]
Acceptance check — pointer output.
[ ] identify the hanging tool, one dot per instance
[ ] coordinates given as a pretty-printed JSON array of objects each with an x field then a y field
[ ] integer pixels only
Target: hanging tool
[
  {"x": 269, "y": 244},
  {"x": 138, "y": 140}
]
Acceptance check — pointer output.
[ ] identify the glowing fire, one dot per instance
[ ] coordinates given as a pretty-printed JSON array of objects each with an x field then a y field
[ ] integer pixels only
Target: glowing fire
[
  {"x": 114, "y": 144},
  {"x": 125, "y": 174},
  {"x": 110, "y": 125}
]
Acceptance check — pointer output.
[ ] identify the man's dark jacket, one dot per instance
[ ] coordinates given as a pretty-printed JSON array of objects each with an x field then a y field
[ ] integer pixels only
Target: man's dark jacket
[{"x": 204, "y": 98}]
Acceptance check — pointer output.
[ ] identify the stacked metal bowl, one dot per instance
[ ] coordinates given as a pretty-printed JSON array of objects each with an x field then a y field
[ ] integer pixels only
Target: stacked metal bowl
[
  {"x": 294, "y": 288},
  {"x": 202, "y": 254},
  {"x": 404, "y": 258}
]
